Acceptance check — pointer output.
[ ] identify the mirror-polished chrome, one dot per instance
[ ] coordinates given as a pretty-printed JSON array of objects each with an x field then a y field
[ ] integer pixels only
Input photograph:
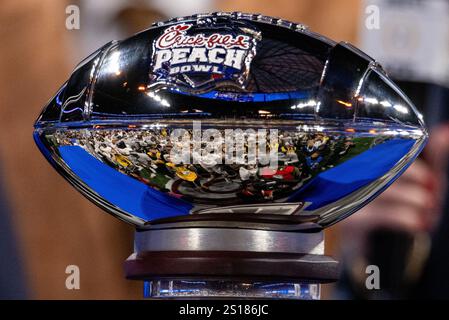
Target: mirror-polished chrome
[
  {"x": 218, "y": 239},
  {"x": 205, "y": 86}
]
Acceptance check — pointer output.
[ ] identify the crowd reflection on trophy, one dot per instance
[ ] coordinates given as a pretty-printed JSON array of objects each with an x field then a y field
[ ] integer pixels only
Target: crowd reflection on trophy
[{"x": 145, "y": 156}]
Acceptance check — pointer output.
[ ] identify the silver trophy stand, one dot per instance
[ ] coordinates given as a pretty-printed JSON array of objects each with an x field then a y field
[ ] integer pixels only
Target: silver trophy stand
[{"x": 177, "y": 262}]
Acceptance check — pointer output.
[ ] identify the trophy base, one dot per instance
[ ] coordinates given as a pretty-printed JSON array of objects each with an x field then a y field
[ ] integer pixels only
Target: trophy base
[{"x": 195, "y": 263}]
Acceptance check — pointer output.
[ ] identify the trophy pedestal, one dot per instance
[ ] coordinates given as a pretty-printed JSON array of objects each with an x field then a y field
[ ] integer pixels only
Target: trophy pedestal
[{"x": 230, "y": 263}]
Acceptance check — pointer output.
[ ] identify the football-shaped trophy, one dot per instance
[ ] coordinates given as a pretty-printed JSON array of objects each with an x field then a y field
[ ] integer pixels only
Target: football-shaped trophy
[{"x": 229, "y": 141}]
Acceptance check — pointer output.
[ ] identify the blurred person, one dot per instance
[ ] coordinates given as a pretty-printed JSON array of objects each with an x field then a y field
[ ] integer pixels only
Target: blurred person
[
  {"x": 394, "y": 231},
  {"x": 405, "y": 231}
]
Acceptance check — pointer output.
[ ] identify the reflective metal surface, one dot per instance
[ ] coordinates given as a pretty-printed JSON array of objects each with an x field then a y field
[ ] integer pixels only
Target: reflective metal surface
[
  {"x": 231, "y": 115},
  {"x": 191, "y": 289},
  {"x": 218, "y": 239}
]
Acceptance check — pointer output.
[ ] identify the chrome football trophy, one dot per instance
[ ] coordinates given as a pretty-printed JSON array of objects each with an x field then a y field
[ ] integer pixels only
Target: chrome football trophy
[{"x": 230, "y": 141}]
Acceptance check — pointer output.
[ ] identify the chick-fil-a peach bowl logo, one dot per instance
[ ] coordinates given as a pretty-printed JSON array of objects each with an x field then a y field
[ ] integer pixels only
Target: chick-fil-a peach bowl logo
[
  {"x": 179, "y": 52},
  {"x": 175, "y": 36}
]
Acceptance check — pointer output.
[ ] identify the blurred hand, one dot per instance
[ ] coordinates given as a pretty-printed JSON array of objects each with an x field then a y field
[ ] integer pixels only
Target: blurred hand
[
  {"x": 412, "y": 203},
  {"x": 407, "y": 205}
]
